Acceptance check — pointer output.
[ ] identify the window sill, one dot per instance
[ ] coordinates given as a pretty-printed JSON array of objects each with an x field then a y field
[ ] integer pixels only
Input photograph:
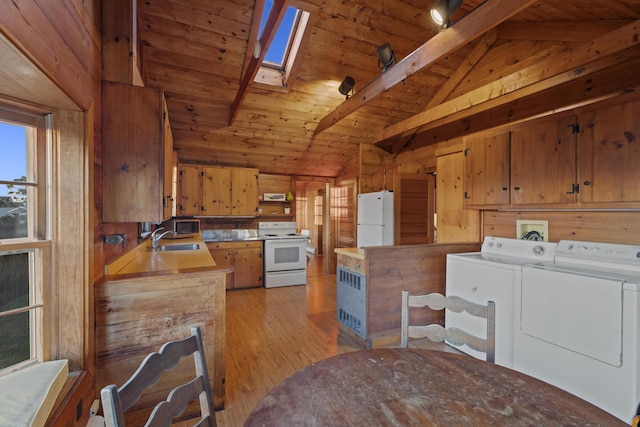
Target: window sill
[{"x": 28, "y": 395}]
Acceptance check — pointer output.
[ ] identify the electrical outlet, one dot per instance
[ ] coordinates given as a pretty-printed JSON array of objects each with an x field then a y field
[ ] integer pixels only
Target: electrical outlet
[{"x": 527, "y": 229}]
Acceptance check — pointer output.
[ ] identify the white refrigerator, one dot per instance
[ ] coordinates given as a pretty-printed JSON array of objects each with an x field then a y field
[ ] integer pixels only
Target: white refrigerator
[{"x": 375, "y": 219}]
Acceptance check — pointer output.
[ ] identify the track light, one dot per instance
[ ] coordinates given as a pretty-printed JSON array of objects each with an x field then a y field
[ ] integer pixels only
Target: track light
[
  {"x": 386, "y": 58},
  {"x": 441, "y": 12},
  {"x": 346, "y": 87}
]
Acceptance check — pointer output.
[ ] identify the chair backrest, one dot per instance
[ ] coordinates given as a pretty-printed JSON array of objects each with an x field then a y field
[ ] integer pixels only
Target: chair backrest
[
  {"x": 117, "y": 400},
  {"x": 455, "y": 336}
]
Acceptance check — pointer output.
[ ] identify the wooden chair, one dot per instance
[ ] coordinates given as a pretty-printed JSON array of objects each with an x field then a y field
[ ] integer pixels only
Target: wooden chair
[
  {"x": 455, "y": 336},
  {"x": 117, "y": 400}
]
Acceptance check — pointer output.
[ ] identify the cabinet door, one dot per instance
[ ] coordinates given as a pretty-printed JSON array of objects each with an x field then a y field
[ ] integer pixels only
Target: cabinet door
[
  {"x": 608, "y": 155},
  {"x": 169, "y": 202},
  {"x": 543, "y": 163},
  {"x": 190, "y": 190},
  {"x": 455, "y": 224},
  {"x": 133, "y": 153},
  {"x": 244, "y": 192},
  {"x": 487, "y": 170},
  {"x": 216, "y": 191},
  {"x": 247, "y": 267}
]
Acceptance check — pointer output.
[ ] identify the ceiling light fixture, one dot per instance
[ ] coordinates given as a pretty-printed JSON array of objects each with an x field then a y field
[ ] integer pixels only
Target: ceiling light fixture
[
  {"x": 441, "y": 12},
  {"x": 386, "y": 58},
  {"x": 346, "y": 87}
]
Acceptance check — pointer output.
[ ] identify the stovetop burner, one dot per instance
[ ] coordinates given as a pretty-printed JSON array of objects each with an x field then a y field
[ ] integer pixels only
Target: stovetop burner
[{"x": 278, "y": 230}]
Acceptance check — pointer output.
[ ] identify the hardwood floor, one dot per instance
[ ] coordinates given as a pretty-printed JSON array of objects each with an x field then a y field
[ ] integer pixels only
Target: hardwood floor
[{"x": 272, "y": 333}]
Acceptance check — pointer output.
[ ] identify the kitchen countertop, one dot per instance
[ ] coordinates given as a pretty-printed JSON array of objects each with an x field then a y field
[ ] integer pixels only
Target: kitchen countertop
[
  {"x": 239, "y": 239},
  {"x": 144, "y": 260},
  {"x": 352, "y": 252}
]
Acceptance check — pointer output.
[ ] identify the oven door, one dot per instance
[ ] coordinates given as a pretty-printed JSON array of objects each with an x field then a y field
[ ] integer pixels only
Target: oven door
[{"x": 285, "y": 254}]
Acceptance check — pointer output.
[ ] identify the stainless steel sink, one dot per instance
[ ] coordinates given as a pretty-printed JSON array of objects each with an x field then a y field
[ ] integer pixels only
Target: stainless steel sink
[{"x": 181, "y": 247}]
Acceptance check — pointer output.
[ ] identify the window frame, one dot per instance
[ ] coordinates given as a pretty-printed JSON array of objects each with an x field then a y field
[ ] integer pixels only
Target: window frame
[
  {"x": 270, "y": 75},
  {"x": 39, "y": 242}
]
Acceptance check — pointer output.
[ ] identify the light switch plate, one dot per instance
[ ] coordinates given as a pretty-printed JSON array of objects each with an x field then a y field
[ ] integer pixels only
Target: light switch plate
[{"x": 529, "y": 229}]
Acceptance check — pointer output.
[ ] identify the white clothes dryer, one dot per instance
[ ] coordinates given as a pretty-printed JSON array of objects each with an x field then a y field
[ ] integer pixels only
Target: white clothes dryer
[{"x": 577, "y": 324}]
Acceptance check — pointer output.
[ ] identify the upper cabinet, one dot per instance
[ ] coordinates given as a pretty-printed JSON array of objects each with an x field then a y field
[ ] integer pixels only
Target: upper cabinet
[
  {"x": 543, "y": 162},
  {"x": 588, "y": 160},
  {"x": 609, "y": 155},
  {"x": 486, "y": 172},
  {"x": 217, "y": 191},
  {"x": 137, "y": 154}
]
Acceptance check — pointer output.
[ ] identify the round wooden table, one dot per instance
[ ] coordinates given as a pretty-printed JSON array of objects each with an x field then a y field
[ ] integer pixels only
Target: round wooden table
[{"x": 416, "y": 387}]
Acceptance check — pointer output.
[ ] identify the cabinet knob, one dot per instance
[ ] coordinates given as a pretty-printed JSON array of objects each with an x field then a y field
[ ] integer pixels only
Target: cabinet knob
[
  {"x": 505, "y": 188},
  {"x": 586, "y": 183},
  {"x": 516, "y": 187}
]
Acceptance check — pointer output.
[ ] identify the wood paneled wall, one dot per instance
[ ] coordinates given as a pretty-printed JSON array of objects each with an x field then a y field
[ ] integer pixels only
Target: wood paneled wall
[
  {"x": 66, "y": 49},
  {"x": 617, "y": 227}
]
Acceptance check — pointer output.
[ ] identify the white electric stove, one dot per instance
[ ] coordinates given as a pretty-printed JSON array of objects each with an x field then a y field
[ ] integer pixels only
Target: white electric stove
[{"x": 285, "y": 256}]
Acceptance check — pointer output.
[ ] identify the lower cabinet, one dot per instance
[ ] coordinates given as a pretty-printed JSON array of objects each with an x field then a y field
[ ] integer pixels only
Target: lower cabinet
[
  {"x": 246, "y": 259},
  {"x": 137, "y": 315}
]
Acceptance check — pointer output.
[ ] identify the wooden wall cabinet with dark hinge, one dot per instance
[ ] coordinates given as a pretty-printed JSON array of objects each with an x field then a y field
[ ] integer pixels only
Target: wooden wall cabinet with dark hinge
[
  {"x": 137, "y": 154},
  {"x": 217, "y": 191}
]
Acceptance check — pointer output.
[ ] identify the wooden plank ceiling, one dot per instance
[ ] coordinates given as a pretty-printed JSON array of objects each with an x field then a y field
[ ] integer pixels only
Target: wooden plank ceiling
[{"x": 546, "y": 57}]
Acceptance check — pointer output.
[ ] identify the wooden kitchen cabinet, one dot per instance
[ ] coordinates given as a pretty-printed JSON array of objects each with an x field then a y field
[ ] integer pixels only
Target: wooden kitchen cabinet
[
  {"x": 608, "y": 156},
  {"x": 245, "y": 257},
  {"x": 455, "y": 224},
  {"x": 189, "y": 190},
  {"x": 217, "y": 191},
  {"x": 487, "y": 170},
  {"x": 136, "y": 314},
  {"x": 137, "y": 154},
  {"x": 543, "y": 162}
]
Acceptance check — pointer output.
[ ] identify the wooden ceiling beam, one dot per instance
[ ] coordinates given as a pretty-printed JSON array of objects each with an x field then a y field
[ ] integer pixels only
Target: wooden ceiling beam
[
  {"x": 478, "y": 52},
  {"x": 604, "y": 85},
  {"x": 571, "y": 64},
  {"x": 565, "y": 31},
  {"x": 268, "y": 33},
  {"x": 483, "y": 18}
]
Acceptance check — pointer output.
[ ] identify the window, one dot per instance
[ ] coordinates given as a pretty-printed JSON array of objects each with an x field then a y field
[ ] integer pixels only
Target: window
[
  {"x": 25, "y": 244},
  {"x": 278, "y": 64}
]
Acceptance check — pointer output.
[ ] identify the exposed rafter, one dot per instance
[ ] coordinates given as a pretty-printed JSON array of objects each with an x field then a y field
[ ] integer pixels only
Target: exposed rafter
[
  {"x": 484, "y": 18},
  {"x": 568, "y": 31},
  {"x": 478, "y": 52},
  {"x": 570, "y": 64},
  {"x": 268, "y": 33}
]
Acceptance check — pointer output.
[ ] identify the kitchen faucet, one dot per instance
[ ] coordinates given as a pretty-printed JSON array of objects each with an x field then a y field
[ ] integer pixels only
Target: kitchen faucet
[{"x": 155, "y": 237}]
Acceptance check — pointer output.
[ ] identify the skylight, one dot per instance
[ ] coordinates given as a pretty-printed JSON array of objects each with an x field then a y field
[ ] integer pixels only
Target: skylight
[{"x": 281, "y": 55}]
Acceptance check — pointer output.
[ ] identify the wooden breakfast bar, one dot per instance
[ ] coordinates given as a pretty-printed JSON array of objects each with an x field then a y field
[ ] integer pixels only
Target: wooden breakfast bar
[{"x": 395, "y": 386}]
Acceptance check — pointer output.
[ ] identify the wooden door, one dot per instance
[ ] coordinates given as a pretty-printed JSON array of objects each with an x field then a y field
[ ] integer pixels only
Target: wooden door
[
  {"x": 190, "y": 190},
  {"x": 415, "y": 207},
  {"x": 343, "y": 214},
  {"x": 609, "y": 156},
  {"x": 455, "y": 224},
  {"x": 244, "y": 192},
  {"x": 543, "y": 162},
  {"x": 216, "y": 191},
  {"x": 487, "y": 170}
]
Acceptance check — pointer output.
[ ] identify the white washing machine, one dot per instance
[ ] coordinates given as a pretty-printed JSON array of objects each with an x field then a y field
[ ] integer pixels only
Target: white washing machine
[
  {"x": 577, "y": 324},
  {"x": 489, "y": 275}
]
